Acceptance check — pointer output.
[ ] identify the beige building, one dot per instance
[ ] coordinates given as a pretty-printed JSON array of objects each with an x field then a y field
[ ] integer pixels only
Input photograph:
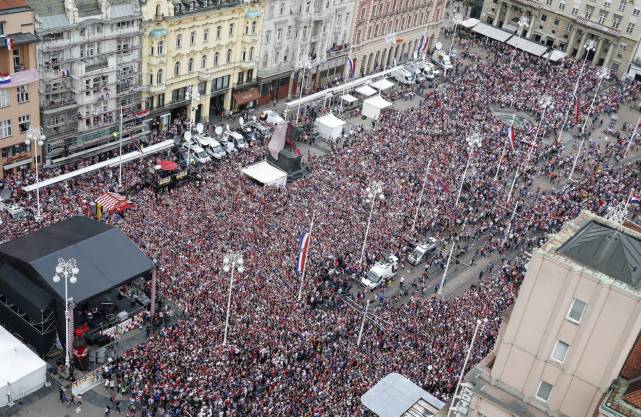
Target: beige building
[
  {"x": 570, "y": 345},
  {"x": 204, "y": 45},
  {"x": 567, "y": 25},
  {"x": 18, "y": 85},
  {"x": 388, "y": 31}
]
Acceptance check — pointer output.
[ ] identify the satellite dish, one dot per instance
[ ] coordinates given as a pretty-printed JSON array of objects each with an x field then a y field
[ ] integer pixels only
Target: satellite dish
[
  {"x": 187, "y": 136},
  {"x": 218, "y": 130},
  {"x": 227, "y": 127},
  {"x": 241, "y": 121},
  {"x": 199, "y": 128},
  {"x": 438, "y": 46},
  {"x": 254, "y": 118}
]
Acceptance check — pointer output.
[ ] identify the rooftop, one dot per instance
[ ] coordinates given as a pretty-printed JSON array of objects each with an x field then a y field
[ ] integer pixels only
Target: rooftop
[{"x": 55, "y": 7}]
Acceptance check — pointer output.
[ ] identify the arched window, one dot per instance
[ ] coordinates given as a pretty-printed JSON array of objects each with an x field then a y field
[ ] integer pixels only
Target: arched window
[
  {"x": 161, "y": 47},
  {"x": 158, "y": 10},
  {"x": 159, "y": 77},
  {"x": 216, "y": 58},
  {"x": 203, "y": 62},
  {"x": 251, "y": 53},
  {"x": 190, "y": 65},
  {"x": 253, "y": 28},
  {"x": 177, "y": 68},
  {"x": 244, "y": 55},
  {"x": 228, "y": 60}
]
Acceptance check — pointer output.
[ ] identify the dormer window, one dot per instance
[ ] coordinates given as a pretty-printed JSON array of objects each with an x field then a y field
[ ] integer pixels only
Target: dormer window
[
  {"x": 193, "y": 6},
  {"x": 177, "y": 9}
]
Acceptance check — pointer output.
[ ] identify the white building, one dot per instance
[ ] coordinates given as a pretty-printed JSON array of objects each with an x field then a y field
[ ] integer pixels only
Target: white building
[
  {"x": 89, "y": 65},
  {"x": 298, "y": 31}
]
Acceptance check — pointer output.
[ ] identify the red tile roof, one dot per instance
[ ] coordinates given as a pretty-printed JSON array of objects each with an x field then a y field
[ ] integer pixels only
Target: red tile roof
[{"x": 12, "y": 4}]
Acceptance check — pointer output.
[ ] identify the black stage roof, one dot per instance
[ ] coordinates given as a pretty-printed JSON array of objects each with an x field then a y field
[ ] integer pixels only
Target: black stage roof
[{"x": 106, "y": 257}]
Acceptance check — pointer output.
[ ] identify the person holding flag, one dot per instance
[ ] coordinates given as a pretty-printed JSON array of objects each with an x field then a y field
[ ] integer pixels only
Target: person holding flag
[{"x": 303, "y": 249}]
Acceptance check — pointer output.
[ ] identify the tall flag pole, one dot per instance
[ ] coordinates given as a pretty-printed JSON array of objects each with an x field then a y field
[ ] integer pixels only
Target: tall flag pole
[
  {"x": 302, "y": 256},
  {"x": 511, "y": 136}
]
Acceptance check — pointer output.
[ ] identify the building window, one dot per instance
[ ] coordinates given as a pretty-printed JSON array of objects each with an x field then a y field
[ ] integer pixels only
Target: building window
[
  {"x": 23, "y": 94},
  {"x": 177, "y": 69},
  {"x": 250, "y": 75},
  {"x": 623, "y": 47},
  {"x": 544, "y": 18},
  {"x": 2, "y": 28},
  {"x": 161, "y": 99},
  {"x": 630, "y": 28},
  {"x": 219, "y": 30},
  {"x": 268, "y": 36},
  {"x": 203, "y": 62},
  {"x": 622, "y": 5},
  {"x": 588, "y": 12},
  {"x": 161, "y": 47},
  {"x": 228, "y": 59},
  {"x": 548, "y": 2},
  {"x": 251, "y": 53},
  {"x": 253, "y": 28},
  {"x": 205, "y": 35},
  {"x": 602, "y": 16},
  {"x": 5, "y": 98},
  {"x": 635, "y": 12},
  {"x": 575, "y": 11},
  {"x": 159, "y": 77},
  {"x": 543, "y": 393},
  {"x": 560, "y": 350},
  {"x": 569, "y": 27},
  {"x": 244, "y": 55},
  {"x": 556, "y": 22},
  {"x": 192, "y": 38},
  {"x": 231, "y": 29},
  {"x": 190, "y": 65},
  {"x": 24, "y": 122},
  {"x": 561, "y": 6},
  {"x": 216, "y": 58},
  {"x": 576, "y": 310},
  {"x": 241, "y": 77},
  {"x": 5, "y": 129},
  {"x": 179, "y": 41},
  {"x": 616, "y": 21},
  {"x": 279, "y": 34}
]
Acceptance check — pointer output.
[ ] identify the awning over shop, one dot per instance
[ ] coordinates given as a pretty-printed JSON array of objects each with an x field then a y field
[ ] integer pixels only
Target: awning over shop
[
  {"x": 244, "y": 97},
  {"x": 491, "y": 32},
  {"x": 366, "y": 90},
  {"x": 527, "y": 46},
  {"x": 383, "y": 84},
  {"x": 266, "y": 174},
  {"x": 469, "y": 23},
  {"x": 555, "y": 55},
  {"x": 111, "y": 202},
  {"x": 348, "y": 98},
  {"x": 372, "y": 107},
  {"x": 330, "y": 126}
]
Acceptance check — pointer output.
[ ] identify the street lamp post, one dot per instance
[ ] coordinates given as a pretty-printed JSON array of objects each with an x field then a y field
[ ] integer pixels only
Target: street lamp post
[
  {"x": 302, "y": 65},
  {"x": 67, "y": 270},
  {"x": 634, "y": 134},
  {"x": 473, "y": 142},
  {"x": 523, "y": 22},
  {"x": 193, "y": 95},
  {"x": 589, "y": 46},
  {"x": 455, "y": 19},
  {"x": 604, "y": 74},
  {"x": 545, "y": 103},
  {"x": 467, "y": 358},
  {"x": 35, "y": 135},
  {"x": 360, "y": 332},
  {"x": 449, "y": 259},
  {"x": 373, "y": 191},
  {"x": 231, "y": 262}
]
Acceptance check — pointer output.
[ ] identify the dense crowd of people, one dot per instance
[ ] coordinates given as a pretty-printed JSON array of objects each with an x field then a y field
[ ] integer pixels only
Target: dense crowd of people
[{"x": 289, "y": 358}]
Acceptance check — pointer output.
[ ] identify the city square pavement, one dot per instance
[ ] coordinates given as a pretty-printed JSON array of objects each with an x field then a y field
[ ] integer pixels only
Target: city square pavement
[{"x": 461, "y": 275}]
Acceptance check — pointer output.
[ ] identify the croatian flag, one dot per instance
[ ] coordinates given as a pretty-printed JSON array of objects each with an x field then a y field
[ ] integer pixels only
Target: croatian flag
[
  {"x": 7, "y": 42},
  {"x": 5, "y": 78},
  {"x": 440, "y": 183},
  {"x": 635, "y": 199},
  {"x": 420, "y": 45},
  {"x": 511, "y": 135},
  {"x": 577, "y": 111},
  {"x": 303, "y": 246},
  {"x": 350, "y": 66}
]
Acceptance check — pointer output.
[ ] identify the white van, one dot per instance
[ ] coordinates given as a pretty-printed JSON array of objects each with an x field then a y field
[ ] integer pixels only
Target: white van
[
  {"x": 442, "y": 59},
  {"x": 403, "y": 77},
  {"x": 211, "y": 147},
  {"x": 196, "y": 153}
]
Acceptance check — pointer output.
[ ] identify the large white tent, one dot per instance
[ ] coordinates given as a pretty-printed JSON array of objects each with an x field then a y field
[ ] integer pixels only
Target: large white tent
[
  {"x": 21, "y": 371},
  {"x": 266, "y": 174},
  {"x": 383, "y": 84},
  {"x": 330, "y": 126},
  {"x": 372, "y": 107},
  {"x": 491, "y": 32},
  {"x": 366, "y": 90},
  {"x": 527, "y": 46}
]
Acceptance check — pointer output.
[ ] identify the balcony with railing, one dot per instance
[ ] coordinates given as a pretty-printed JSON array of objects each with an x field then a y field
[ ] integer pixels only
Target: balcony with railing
[
  {"x": 337, "y": 50},
  {"x": 98, "y": 65}
]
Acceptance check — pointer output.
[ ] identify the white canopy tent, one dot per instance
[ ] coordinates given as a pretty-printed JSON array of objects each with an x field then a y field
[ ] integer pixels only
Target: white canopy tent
[
  {"x": 491, "y": 32},
  {"x": 383, "y": 84},
  {"x": 469, "y": 23},
  {"x": 348, "y": 98},
  {"x": 330, "y": 126},
  {"x": 397, "y": 396},
  {"x": 21, "y": 371},
  {"x": 555, "y": 55},
  {"x": 372, "y": 107},
  {"x": 266, "y": 174},
  {"x": 366, "y": 90},
  {"x": 527, "y": 46}
]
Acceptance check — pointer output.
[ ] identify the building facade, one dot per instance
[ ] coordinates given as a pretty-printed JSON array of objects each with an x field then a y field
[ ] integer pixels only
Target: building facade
[
  {"x": 567, "y": 26},
  {"x": 207, "y": 46},
  {"x": 389, "y": 31},
  {"x": 19, "y": 108},
  {"x": 572, "y": 334},
  {"x": 89, "y": 65},
  {"x": 309, "y": 35}
]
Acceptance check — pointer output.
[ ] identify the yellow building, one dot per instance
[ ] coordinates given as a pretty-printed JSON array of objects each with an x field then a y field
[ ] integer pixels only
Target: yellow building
[{"x": 199, "y": 54}]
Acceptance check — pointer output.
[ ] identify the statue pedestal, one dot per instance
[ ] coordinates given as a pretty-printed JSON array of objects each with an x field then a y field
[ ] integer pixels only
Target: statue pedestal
[{"x": 289, "y": 162}]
